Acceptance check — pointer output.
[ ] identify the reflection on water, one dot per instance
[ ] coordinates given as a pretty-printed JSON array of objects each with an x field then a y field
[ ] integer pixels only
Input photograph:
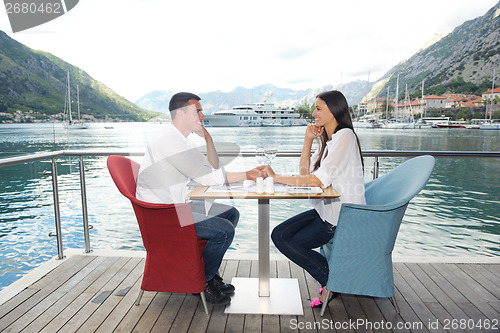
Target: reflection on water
[{"x": 456, "y": 214}]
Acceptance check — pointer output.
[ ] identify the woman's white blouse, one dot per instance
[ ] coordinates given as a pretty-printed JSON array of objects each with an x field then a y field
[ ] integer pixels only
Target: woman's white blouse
[{"x": 342, "y": 169}]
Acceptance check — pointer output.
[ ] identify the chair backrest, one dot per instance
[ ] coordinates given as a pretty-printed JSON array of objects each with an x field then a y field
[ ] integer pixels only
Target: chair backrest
[
  {"x": 174, "y": 261},
  {"x": 400, "y": 184}
]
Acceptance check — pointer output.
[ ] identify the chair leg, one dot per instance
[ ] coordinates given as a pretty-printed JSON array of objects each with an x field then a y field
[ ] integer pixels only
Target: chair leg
[
  {"x": 325, "y": 303},
  {"x": 393, "y": 299},
  {"x": 138, "y": 301},
  {"x": 204, "y": 301}
]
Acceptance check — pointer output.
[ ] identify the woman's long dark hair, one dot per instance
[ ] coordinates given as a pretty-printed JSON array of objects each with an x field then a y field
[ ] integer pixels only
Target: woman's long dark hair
[{"x": 337, "y": 104}]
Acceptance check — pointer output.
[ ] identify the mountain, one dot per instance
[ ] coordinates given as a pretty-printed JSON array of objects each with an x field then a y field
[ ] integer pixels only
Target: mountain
[
  {"x": 471, "y": 51},
  {"x": 217, "y": 100},
  {"x": 35, "y": 80}
]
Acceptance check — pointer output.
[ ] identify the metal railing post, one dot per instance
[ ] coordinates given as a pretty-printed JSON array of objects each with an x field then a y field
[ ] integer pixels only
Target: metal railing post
[
  {"x": 55, "y": 192},
  {"x": 375, "y": 168},
  {"x": 84, "y": 207}
]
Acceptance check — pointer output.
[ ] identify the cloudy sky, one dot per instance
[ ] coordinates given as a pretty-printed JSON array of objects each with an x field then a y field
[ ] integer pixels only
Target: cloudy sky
[{"x": 136, "y": 46}]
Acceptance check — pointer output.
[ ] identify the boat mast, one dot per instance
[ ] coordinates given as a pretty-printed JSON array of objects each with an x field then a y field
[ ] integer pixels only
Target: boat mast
[
  {"x": 387, "y": 105},
  {"x": 422, "y": 102},
  {"x": 492, "y": 88},
  {"x": 396, "y": 99},
  {"x": 78, "y": 101},
  {"x": 69, "y": 101}
]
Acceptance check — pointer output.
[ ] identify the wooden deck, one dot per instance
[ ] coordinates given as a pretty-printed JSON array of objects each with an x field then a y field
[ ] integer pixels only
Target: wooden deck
[{"x": 88, "y": 293}]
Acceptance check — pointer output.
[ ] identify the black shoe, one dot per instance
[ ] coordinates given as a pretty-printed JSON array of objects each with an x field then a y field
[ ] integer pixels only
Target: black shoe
[
  {"x": 225, "y": 288},
  {"x": 214, "y": 296}
]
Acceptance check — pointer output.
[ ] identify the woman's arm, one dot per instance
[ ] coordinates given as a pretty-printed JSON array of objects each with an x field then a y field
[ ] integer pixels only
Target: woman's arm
[
  {"x": 312, "y": 132},
  {"x": 300, "y": 180}
]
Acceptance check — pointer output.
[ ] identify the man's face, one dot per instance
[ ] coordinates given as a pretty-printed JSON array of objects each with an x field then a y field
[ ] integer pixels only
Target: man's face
[{"x": 194, "y": 115}]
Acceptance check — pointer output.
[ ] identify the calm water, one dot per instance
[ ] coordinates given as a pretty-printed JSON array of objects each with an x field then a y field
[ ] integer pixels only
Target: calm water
[{"x": 457, "y": 214}]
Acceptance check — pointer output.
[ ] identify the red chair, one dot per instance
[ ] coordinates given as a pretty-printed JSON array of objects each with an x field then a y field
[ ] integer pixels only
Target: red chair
[{"x": 174, "y": 254}]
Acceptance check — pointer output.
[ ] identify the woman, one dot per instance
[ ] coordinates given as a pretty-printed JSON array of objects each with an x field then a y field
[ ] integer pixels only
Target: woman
[{"x": 337, "y": 162}]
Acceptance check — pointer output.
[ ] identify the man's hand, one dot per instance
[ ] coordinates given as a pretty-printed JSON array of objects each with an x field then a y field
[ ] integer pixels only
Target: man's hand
[{"x": 255, "y": 173}]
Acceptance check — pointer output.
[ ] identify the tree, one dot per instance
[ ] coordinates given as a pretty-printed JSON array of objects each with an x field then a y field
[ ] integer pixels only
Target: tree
[{"x": 305, "y": 109}]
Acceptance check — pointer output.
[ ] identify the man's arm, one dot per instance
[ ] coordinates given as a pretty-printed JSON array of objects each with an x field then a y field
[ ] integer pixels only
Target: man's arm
[{"x": 212, "y": 156}]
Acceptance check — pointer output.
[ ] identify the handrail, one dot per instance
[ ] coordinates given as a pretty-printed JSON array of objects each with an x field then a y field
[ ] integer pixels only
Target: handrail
[{"x": 293, "y": 153}]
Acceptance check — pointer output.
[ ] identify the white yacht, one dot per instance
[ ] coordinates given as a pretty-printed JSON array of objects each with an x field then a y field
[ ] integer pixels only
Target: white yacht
[
  {"x": 367, "y": 121},
  {"x": 490, "y": 125},
  {"x": 255, "y": 114}
]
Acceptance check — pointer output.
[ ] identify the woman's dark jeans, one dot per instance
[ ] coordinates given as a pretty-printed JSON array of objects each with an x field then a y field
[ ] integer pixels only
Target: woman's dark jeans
[{"x": 298, "y": 236}]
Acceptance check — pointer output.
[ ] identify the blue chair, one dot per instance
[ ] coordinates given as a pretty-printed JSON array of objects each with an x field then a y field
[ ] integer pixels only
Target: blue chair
[{"x": 360, "y": 253}]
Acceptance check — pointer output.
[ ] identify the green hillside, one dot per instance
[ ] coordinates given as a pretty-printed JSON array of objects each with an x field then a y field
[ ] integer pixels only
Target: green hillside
[{"x": 35, "y": 80}]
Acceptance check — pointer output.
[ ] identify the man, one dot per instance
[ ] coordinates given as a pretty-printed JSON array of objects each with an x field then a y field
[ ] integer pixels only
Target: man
[{"x": 171, "y": 162}]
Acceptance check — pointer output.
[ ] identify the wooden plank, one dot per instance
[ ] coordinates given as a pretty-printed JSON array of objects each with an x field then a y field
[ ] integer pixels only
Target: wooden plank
[
  {"x": 100, "y": 285},
  {"x": 423, "y": 293},
  {"x": 479, "y": 274},
  {"x": 298, "y": 273},
  {"x": 119, "y": 306},
  {"x": 169, "y": 312},
  {"x": 425, "y": 316},
  {"x": 474, "y": 292},
  {"x": 15, "y": 301},
  {"x": 200, "y": 320},
  {"x": 126, "y": 277},
  {"x": 445, "y": 291},
  {"x": 135, "y": 313},
  {"x": 452, "y": 292},
  {"x": 62, "y": 272},
  {"x": 71, "y": 289},
  {"x": 238, "y": 268},
  {"x": 61, "y": 309},
  {"x": 152, "y": 312},
  {"x": 450, "y": 306},
  {"x": 67, "y": 313},
  {"x": 389, "y": 312},
  {"x": 33, "y": 313},
  {"x": 374, "y": 317},
  {"x": 217, "y": 322},
  {"x": 253, "y": 322},
  {"x": 76, "y": 281},
  {"x": 407, "y": 313},
  {"x": 284, "y": 271},
  {"x": 186, "y": 314},
  {"x": 44, "y": 287}
]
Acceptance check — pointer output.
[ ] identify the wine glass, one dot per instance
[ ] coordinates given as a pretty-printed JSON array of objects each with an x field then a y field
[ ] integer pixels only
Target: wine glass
[
  {"x": 270, "y": 154},
  {"x": 260, "y": 155}
]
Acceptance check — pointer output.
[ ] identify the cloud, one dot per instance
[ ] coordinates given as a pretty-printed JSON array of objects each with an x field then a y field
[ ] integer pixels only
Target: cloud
[{"x": 137, "y": 46}]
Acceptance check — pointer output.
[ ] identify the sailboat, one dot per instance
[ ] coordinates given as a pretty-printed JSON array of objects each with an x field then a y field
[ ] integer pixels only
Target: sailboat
[
  {"x": 395, "y": 124},
  {"x": 490, "y": 124},
  {"x": 69, "y": 123}
]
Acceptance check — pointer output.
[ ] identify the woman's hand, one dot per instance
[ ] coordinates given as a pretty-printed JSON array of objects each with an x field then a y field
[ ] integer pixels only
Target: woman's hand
[
  {"x": 269, "y": 171},
  {"x": 313, "y": 131},
  {"x": 255, "y": 173}
]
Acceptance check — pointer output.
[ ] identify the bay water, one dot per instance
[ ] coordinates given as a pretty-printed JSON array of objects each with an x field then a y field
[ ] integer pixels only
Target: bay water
[{"x": 456, "y": 214}]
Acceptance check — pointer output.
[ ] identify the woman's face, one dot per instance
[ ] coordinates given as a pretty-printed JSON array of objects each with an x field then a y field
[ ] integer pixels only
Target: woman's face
[{"x": 322, "y": 114}]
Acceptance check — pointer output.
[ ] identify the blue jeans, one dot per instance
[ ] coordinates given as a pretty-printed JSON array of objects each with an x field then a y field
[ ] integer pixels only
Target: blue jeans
[
  {"x": 218, "y": 229},
  {"x": 298, "y": 236}
]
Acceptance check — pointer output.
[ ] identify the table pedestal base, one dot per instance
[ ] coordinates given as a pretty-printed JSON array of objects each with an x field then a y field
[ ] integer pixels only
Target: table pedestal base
[{"x": 284, "y": 297}]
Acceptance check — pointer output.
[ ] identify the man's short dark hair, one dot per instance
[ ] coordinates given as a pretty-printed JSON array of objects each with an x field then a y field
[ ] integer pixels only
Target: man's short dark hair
[{"x": 181, "y": 99}]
